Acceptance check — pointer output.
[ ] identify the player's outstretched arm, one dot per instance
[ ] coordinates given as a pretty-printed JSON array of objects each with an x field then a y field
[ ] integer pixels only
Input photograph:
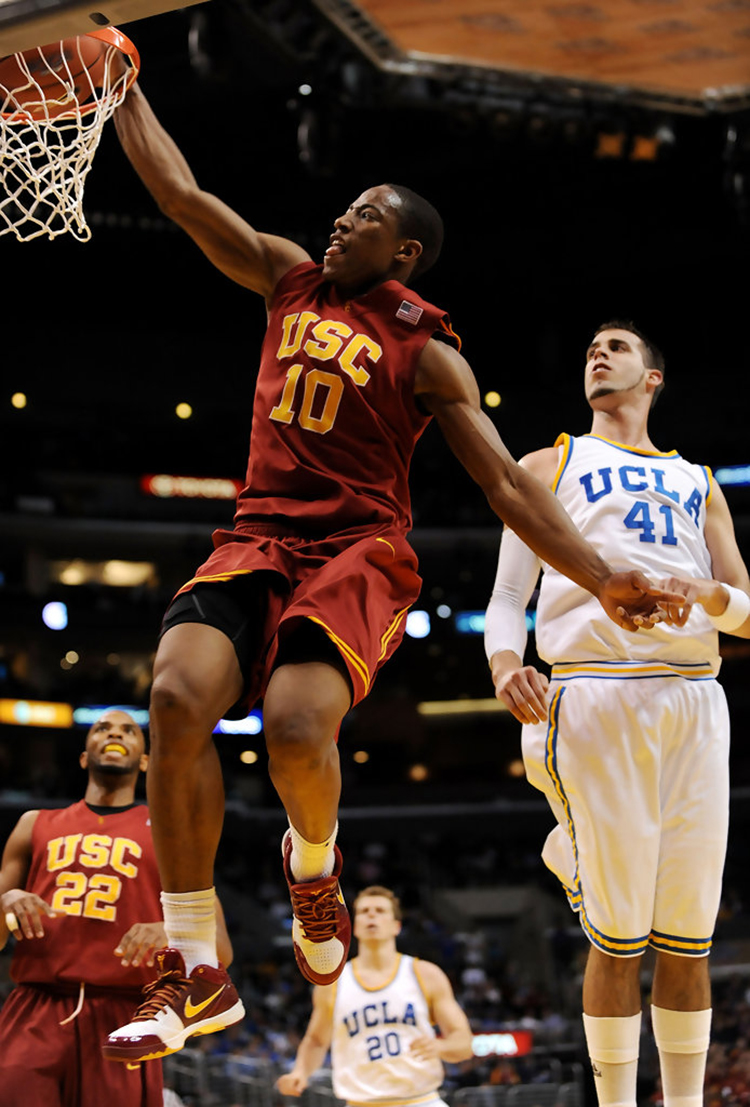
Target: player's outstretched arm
[
  {"x": 314, "y": 1045},
  {"x": 446, "y": 386},
  {"x": 20, "y": 911},
  {"x": 254, "y": 260}
]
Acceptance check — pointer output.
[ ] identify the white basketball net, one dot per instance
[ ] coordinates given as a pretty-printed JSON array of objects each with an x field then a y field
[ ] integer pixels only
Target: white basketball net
[{"x": 44, "y": 162}]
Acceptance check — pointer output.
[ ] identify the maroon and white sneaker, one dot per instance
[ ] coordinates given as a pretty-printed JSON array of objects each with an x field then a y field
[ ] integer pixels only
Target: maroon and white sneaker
[
  {"x": 176, "y": 1007},
  {"x": 321, "y": 928}
]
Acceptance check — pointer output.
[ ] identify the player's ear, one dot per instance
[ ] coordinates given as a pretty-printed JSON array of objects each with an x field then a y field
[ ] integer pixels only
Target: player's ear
[
  {"x": 409, "y": 250},
  {"x": 83, "y": 759},
  {"x": 143, "y": 763},
  {"x": 655, "y": 377}
]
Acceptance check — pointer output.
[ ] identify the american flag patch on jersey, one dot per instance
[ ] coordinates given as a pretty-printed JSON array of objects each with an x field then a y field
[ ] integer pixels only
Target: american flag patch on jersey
[{"x": 410, "y": 313}]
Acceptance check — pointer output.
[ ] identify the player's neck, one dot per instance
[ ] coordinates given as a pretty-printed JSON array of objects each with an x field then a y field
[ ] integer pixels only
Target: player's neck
[
  {"x": 119, "y": 792},
  {"x": 625, "y": 425},
  {"x": 377, "y": 958}
]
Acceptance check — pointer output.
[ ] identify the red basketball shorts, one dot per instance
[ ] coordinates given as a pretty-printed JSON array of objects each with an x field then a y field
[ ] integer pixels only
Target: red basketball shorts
[
  {"x": 44, "y": 1064},
  {"x": 357, "y": 586}
]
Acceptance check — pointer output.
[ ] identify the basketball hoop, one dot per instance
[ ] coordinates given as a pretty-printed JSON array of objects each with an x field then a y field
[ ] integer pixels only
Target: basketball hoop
[{"x": 54, "y": 102}]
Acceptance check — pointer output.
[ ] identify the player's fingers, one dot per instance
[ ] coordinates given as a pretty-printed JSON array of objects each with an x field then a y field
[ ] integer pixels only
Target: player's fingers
[
  {"x": 519, "y": 708},
  {"x": 29, "y": 921},
  {"x": 538, "y": 696},
  {"x": 682, "y": 614},
  {"x": 644, "y": 622},
  {"x": 666, "y": 596},
  {"x": 11, "y": 921},
  {"x": 135, "y": 950},
  {"x": 516, "y": 709}
]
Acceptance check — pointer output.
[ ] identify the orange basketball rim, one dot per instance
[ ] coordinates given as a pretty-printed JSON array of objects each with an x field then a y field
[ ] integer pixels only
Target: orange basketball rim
[
  {"x": 54, "y": 103},
  {"x": 65, "y": 78}
]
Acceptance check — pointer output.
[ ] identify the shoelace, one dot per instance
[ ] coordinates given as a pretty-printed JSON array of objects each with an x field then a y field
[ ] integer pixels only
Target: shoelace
[
  {"x": 317, "y": 914},
  {"x": 162, "y": 992}
]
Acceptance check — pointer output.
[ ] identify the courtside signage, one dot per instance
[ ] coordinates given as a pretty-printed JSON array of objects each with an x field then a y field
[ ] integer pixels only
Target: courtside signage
[
  {"x": 36, "y": 713},
  {"x": 168, "y": 487},
  {"x": 502, "y": 1043}
]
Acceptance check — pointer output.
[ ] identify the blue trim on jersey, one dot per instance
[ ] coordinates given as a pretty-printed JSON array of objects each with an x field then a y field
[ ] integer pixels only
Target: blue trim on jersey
[
  {"x": 637, "y": 676},
  {"x": 631, "y": 670},
  {"x": 567, "y": 444}
]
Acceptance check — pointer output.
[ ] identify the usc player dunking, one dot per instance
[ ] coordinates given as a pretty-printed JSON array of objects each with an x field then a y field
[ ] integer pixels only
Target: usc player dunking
[{"x": 303, "y": 601}]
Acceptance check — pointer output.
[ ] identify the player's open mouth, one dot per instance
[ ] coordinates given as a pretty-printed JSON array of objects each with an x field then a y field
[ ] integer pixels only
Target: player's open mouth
[
  {"x": 337, "y": 247},
  {"x": 114, "y": 747}
]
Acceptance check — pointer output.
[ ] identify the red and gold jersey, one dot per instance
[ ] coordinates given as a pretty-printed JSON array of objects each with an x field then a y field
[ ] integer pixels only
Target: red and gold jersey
[
  {"x": 100, "y": 872},
  {"x": 335, "y": 419}
]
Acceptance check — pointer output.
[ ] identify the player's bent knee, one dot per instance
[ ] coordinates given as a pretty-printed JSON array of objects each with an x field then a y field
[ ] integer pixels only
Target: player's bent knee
[
  {"x": 300, "y": 736},
  {"x": 178, "y": 716}
]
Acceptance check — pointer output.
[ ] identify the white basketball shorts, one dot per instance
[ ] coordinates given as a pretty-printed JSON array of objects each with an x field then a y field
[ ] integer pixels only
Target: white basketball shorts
[{"x": 634, "y": 764}]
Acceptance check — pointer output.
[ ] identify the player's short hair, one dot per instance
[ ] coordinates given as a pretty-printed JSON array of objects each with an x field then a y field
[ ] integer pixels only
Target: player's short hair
[
  {"x": 420, "y": 220},
  {"x": 386, "y": 893},
  {"x": 653, "y": 358}
]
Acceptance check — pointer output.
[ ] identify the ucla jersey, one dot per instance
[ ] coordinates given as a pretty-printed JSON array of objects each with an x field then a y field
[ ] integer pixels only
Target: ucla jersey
[
  {"x": 640, "y": 510},
  {"x": 372, "y": 1031}
]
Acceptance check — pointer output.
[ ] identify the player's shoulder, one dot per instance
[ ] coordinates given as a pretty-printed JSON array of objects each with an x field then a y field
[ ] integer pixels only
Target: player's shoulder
[
  {"x": 303, "y": 277},
  {"x": 28, "y": 820},
  {"x": 21, "y": 836},
  {"x": 430, "y": 976},
  {"x": 441, "y": 368},
  {"x": 324, "y": 995},
  {"x": 543, "y": 463}
]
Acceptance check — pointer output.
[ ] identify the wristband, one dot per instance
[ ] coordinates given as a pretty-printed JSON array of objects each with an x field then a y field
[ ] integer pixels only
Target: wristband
[{"x": 736, "y": 611}]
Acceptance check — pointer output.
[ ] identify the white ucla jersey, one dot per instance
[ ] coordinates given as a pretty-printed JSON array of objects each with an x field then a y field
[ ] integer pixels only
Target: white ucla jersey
[
  {"x": 372, "y": 1031},
  {"x": 639, "y": 509}
]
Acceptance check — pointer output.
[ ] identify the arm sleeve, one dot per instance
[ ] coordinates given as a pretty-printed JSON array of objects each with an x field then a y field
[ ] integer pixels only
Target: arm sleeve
[{"x": 518, "y": 570}]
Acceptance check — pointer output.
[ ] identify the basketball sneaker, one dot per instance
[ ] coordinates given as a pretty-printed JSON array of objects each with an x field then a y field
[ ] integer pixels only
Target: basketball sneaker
[
  {"x": 176, "y": 1007},
  {"x": 321, "y": 928}
]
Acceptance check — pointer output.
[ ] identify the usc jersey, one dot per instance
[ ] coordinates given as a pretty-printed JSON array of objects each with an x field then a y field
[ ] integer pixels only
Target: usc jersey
[
  {"x": 335, "y": 419},
  {"x": 100, "y": 872}
]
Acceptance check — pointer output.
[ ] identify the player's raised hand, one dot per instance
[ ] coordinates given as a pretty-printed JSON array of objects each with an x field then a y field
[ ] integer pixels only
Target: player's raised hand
[
  {"x": 139, "y": 944},
  {"x": 24, "y": 912},
  {"x": 524, "y": 693},
  {"x": 634, "y": 602}
]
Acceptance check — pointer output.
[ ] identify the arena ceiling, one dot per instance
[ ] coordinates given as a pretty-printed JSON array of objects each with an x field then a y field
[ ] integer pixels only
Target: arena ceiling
[{"x": 693, "y": 54}]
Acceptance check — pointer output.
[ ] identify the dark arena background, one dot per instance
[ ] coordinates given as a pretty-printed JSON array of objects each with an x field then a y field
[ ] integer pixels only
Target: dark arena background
[{"x": 590, "y": 161}]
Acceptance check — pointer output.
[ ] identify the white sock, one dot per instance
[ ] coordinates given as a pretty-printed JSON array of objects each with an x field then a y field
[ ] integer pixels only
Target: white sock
[
  {"x": 190, "y": 923},
  {"x": 311, "y": 860},
  {"x": 613, "y": 1045},
  {"x": 682, "y": 1038}
]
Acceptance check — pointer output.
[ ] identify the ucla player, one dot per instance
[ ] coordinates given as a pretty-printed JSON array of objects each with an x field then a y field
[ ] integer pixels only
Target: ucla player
[
  {"x": 378, "y": 1019},
  {"x": 79, "y": 889},
  {"x": 629, "y": 737}
]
